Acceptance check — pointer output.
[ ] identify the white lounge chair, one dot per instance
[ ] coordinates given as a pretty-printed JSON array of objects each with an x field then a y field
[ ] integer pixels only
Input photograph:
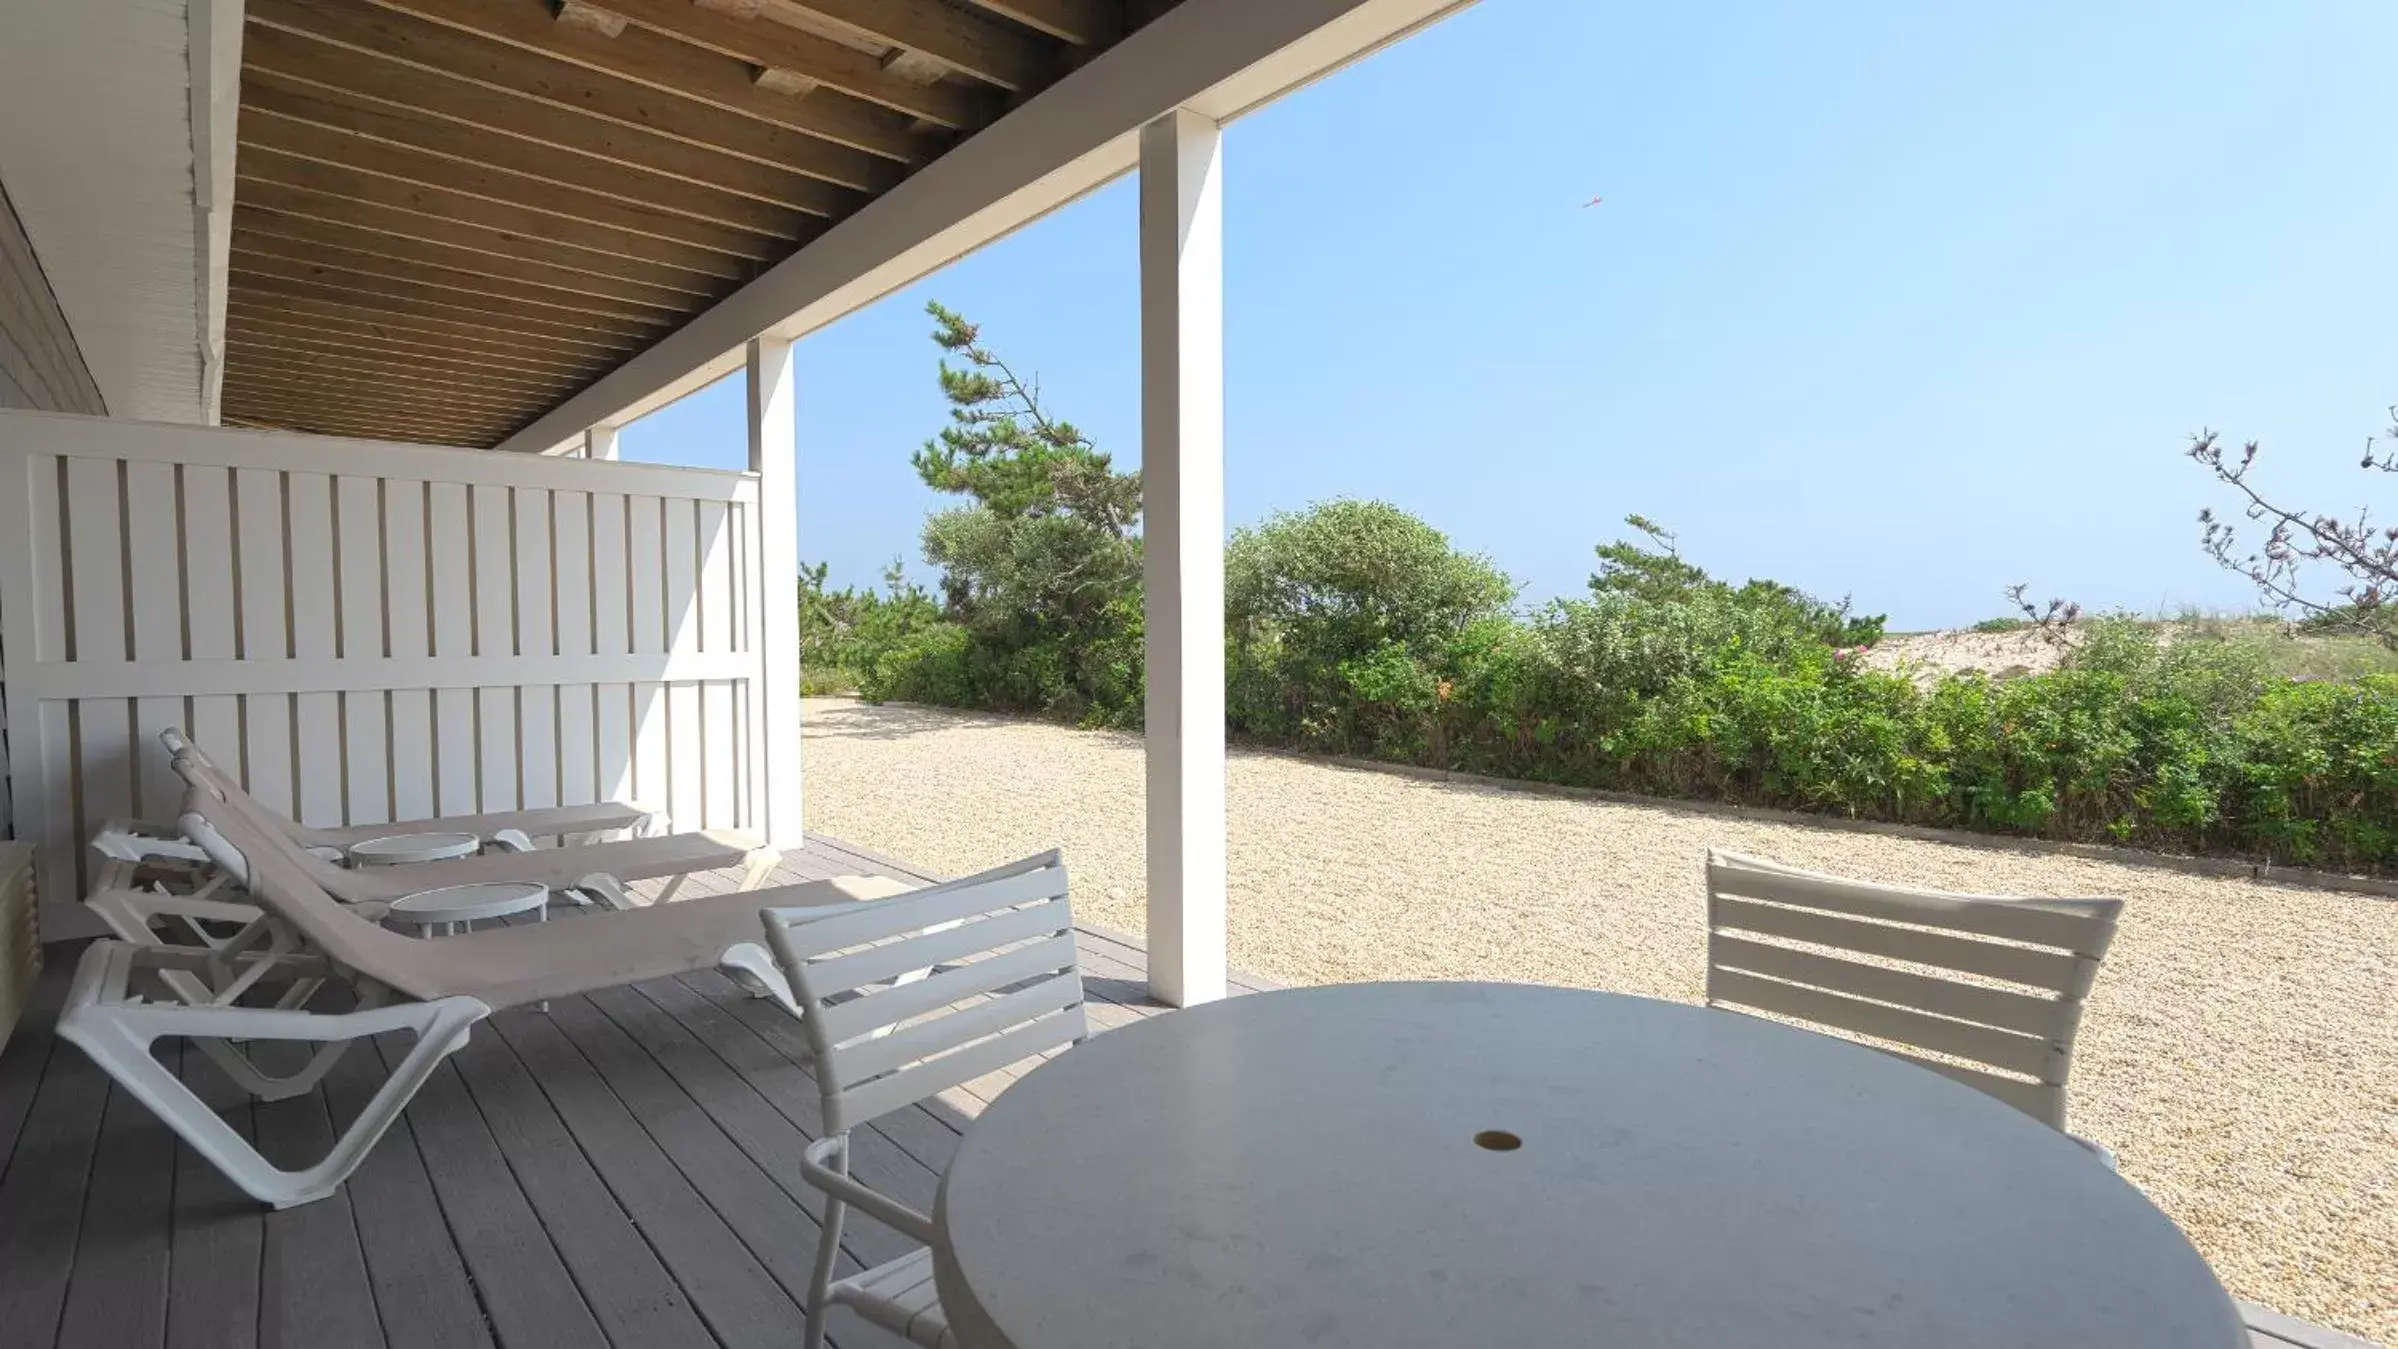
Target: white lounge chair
[
  {"x": 436, "y": 989},
  {"x": 2012, "y": 1039},
  {"x": 599, "y": 870},
  {"x": 138, "y": 840},
  {"x": 1008, "y": 986}
]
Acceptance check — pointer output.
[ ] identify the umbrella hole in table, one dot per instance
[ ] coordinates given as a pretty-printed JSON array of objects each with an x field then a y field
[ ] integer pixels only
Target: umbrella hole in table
[{"x": 1497, "y": 1140}]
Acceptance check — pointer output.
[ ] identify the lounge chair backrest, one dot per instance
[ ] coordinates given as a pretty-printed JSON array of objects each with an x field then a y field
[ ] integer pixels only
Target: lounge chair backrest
[
  {"x": 1005, "y": 985},
  {"x": 2032, "y": 961},
  {"x": 202, "y": 775},
  {"x": 268, "y": 866}
]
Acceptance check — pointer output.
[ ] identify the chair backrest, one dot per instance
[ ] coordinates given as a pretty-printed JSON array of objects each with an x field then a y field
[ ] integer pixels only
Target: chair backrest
[
  {"x": 2033, "y": 960},
  {"x": 274, "y": 872},
  {"x": 910, "y": 996}
]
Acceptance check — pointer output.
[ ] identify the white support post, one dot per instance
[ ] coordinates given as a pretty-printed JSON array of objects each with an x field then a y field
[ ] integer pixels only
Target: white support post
[
  {"x": 773, "y": 454},
  {"x": 600, "y": 443},
  {"x": 1182, "y": 491}
]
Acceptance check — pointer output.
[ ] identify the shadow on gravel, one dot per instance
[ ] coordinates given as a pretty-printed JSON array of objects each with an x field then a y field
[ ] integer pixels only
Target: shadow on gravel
[{"x": 900, "y": 721}]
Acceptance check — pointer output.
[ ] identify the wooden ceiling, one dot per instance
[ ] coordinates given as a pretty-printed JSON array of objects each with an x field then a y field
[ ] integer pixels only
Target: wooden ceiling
[{"x": 450, "y": 215}]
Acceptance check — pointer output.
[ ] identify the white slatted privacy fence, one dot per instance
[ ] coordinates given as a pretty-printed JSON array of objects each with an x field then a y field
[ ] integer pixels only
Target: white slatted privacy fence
[{"x": 369, "y": 632}]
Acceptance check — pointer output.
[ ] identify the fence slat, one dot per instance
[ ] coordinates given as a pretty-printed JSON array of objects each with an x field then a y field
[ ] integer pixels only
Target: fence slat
[
  {"x": 156, "y": 583},
  {"x": 720, "y": 809},
  {"x": 645, "y": 553},
  {"x": 611, "y": 584},
  {"x": 536, "y": 634},
  {"x": 613, "y": 707},
  {"x": 448, "y": 543},
  {"x": 649, "y": 747},
  {"x": 681, "y": 546},
  {"x": 359, "y": 514},
  {"x": 685, "y": 756},
  {"x": 264, "y": 630},
  {"x": 408, "y": 631},
  {"x": 316, "y": 631}
]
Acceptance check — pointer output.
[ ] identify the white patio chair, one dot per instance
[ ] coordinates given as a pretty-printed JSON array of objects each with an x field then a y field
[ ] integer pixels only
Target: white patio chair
[
  {"x": 140, "y": 840},
  {"x": 435, "y": 989},
  {"x": 1007, "y": 986},
  {"x": 2015, "y": 1043}
]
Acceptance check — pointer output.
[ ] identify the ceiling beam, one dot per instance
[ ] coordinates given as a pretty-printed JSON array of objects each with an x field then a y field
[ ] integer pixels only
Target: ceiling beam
[
  {"x": 1087, "y": 23},
  {"x": 335, "y": 233},
  {"x": 310, "y": 157},
  {"x": 856, "y": 107},
  {"x": 964, "y": 41},
  {"x": 269, "y": 234},
  {"x": 522, "y": 170},
  {"x": 455, "y": 74},
  {"x": 1218, "y": 58},
  {"x": 314, "y": 201}
]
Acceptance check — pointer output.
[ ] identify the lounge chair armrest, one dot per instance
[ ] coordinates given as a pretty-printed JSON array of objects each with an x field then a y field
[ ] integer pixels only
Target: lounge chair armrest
[
  {"x": 815, "y": 1165},
  {"x": 144, "y": 841}
]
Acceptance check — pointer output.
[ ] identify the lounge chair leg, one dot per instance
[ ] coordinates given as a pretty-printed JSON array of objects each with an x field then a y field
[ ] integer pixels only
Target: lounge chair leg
[
  {"x": 761, "y": 865},
  {"x": 118, "y": 1038},
  {"x": 752, "y": 966},
  {"x": 247, "y": 1075}
]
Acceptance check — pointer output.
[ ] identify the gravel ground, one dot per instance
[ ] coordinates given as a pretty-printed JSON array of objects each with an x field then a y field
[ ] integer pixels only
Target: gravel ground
[{"x": 2240, "y": 1052}]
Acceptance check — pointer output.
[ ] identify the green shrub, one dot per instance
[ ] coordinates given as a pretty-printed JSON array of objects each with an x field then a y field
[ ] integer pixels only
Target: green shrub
[
  {"x": 2002, "y": 625},
  {"x": 1339, "y": 620}
]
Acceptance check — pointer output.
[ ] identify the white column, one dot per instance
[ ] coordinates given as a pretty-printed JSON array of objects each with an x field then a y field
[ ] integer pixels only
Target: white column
[
  {"x": 773, "y": 451},
  {"x": 1182, "y": 490},
  {"x": 600, "y": 443}
]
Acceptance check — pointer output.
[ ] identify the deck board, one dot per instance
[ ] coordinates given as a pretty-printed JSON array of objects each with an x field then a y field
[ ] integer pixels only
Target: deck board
[{"x": 622, "y": 1170}]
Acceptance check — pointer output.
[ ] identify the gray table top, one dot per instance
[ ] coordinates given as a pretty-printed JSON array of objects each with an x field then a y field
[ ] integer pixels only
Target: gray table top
[{"x": 1303, "y": 1167}]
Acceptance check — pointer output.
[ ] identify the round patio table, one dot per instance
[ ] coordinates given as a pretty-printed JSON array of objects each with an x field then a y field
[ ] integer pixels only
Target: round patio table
[
  {"x": 400, "y": 849},
  {"x": 455, "y": 907},
  {"x": 1454, "y": 1163}
]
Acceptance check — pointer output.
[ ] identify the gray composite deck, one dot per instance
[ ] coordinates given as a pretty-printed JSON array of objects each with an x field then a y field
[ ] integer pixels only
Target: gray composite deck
[{"x": 623, "y": 1170}]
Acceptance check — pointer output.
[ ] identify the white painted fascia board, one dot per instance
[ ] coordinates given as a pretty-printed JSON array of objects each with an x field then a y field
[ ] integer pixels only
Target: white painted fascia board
[
  {"x": 1219, "y": 58},
  {"x": 216, "y": 32}
]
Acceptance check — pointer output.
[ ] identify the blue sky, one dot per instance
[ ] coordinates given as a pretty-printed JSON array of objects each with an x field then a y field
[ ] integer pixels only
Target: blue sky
[{"x": 1905, "y": 302}]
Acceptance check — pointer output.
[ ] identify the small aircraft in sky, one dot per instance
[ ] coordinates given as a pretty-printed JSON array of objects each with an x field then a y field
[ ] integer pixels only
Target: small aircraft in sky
[{"x": 1592, "y": 202}]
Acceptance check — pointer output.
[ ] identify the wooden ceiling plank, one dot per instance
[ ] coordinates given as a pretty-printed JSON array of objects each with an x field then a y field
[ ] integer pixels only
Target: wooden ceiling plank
[
  {"x": 375, "y": 424},
  {"x": 332, "y": 404},
  {"x": 507, "y": 245},
  {"x": 856, "y": 115},
  {"x": 490, "y": 311},
  {"x": 434, "y": 319},
  {"x": 317, "y": 228},
  {"x": 980, "y": 47},
  {"x": 1086, "y": 23},
  {"x": 367, "y": 394},
  {"x": 317, "y": 331},
  {"x": 309, "y": 318},
  {"x": 263, "y": 352},
  {"x": 518, "y": 170},
  {"x": 518, "y": 75},
  {"x": 364, "y": 389},
  {"x": 269, "y": 234},
  {"x": 392, "y": 177}
]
